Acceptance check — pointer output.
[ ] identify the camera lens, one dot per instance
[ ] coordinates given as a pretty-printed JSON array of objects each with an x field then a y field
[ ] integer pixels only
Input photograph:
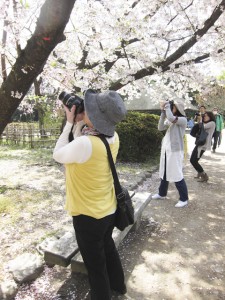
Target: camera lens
[
  {"x": 171, "y": 104},
  {"x": 70, "y": 100},
  {"x": 61, "y": 95}
]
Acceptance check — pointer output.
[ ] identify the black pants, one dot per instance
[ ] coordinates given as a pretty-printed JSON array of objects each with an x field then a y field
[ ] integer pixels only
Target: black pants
[
  {"x": 96, "y": 245},
  {"x": 194, "y": 160},
  {"x": 216, "y": 139}
]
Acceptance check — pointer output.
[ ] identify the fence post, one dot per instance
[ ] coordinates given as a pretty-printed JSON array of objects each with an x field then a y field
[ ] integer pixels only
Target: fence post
[
  {"x": 30, "y": 136},
  {"x": 24, "y": 137},
  {"x": 6, "y": 133}
]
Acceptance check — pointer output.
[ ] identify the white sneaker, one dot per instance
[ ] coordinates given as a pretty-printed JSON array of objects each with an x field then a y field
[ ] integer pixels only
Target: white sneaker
[
  {"x": 181, "y": 203},
  {"x": 157, "y": 196}
]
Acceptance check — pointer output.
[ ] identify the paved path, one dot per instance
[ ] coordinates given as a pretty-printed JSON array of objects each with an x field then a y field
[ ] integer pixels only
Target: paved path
[{"x": 177, "y": 254}]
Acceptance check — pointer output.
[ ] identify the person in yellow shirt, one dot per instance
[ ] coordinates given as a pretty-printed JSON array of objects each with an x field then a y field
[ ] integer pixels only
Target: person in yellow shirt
[{"x": 90, "y": 194}]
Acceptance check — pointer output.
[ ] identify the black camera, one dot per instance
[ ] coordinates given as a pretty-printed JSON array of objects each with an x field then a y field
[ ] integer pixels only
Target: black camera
[
  {"x": 197, "y": 114},
  {"x": 69, "y": 100},
  {"x": 171, "y": 104}
]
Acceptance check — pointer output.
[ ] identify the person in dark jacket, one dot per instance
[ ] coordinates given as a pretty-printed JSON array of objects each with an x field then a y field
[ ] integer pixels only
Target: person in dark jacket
[{"x": 198, "y": 151}]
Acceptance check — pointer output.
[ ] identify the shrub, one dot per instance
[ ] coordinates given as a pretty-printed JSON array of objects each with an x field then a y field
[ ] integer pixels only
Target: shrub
[{"x": 140, "y": 138}]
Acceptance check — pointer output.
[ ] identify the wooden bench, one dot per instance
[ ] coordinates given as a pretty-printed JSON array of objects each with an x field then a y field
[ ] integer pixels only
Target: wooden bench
[{"x": 65, "y": 251}]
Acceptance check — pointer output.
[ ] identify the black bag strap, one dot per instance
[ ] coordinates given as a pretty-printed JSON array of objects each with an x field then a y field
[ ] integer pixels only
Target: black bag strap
[{"x": 117, "y": 185}]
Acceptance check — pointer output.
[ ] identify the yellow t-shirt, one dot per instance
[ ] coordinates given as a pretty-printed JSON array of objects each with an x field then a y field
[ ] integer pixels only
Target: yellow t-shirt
[{"x": 89, "y": 185}]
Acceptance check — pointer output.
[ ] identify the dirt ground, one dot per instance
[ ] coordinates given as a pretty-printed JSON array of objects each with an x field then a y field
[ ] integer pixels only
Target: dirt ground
[
  {"x": 184, "y": 256},
  {"x": 176, "y": 254}
]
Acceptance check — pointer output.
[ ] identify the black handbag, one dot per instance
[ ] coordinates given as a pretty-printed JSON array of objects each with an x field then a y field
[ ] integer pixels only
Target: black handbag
[
  {"x": 194, "y": 130},
  {"x": 124, "y": 215},
  {"x": 201, "y": 136}
]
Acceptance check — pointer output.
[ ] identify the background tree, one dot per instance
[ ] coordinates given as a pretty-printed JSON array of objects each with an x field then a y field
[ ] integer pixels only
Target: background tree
[
  {"x": 29, "y": 64},
  {"x": 214, "y": 96},
  {"x": 128, "y": 46},
  {"x": 134, "y": 43}
]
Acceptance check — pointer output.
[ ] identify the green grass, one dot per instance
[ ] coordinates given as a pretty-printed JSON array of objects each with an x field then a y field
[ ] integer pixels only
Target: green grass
[
  {"x": 29, "y": 156},
  {"x": 13, "y": 201},
  {"x": 5, "y": 206},
  {"x": 17, "y": 199},
  {"x": 133, "y": 167}
]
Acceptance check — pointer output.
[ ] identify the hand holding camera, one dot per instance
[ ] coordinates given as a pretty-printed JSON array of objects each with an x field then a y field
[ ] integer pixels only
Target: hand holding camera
[
  {"x": 73, "y": 105},
  {"x": 165, "y": 104},
  {"x": 162, "y": 104},
  {"x": 70, "y": 114}
]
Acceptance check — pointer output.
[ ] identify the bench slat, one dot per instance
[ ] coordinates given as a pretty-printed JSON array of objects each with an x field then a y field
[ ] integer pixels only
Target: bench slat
[
  {"x": 140, "y": 201},
  {"x": 62, "y": 250},
  {"x": 65, "y": 250}
]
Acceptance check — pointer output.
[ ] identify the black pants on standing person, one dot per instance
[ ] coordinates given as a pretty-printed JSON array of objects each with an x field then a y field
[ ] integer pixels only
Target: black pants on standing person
[
  {"x": 97, "y": 247},
  {"x": 216, "y": 140},
  {"x": 194, "y": 160}
]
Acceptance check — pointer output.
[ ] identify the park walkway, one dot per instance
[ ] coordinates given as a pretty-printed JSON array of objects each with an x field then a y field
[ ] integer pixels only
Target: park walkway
[
  {"x": 177, "y": 253},
  {"x": 183, "y": 257}
]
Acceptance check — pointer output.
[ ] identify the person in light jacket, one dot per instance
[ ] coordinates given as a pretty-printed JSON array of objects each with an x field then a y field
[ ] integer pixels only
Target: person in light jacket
[
  {"x": 173, "y": 118},
  {"x": 198, "y": 151},
  {"x": 90, "y": 193}
]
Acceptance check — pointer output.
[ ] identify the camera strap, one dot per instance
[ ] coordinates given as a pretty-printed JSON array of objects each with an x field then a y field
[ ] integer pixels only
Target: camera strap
[
  {"x": 175, "y": 120},
  {"x": 70, "y": 137}
]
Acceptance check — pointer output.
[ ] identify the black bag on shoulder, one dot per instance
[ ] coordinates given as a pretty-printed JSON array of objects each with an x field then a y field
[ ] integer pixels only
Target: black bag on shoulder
[
  {"x": 124, "y": 215},
  {"x": 201, "y": 137},
  {"x": 194, "y": 130},
  {"x": 125, "y": 211}
]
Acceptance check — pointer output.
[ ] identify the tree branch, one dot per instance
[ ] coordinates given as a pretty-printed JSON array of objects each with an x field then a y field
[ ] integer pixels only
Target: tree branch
[
  {"x": 198, "y": 60},
  {"x": 183, "y": 9},
  {"x": 165, "y": 65},
  {"x": 106, "y": 63}
]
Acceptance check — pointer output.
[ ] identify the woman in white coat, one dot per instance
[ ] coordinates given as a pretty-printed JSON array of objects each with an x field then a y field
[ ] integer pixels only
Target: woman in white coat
[{"x": 173, "y": 118}]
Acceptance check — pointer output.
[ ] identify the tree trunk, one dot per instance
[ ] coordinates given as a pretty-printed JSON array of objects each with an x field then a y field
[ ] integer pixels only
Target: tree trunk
[
  {"x": 38, "y": 105},
  {"x": 29, "y": 64}
]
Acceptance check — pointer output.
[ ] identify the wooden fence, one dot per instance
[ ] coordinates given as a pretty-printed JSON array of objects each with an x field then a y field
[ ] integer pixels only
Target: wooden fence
[{"x": 28, "y": 134}]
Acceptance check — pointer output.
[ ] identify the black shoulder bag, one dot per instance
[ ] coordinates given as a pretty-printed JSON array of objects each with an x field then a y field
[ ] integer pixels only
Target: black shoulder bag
[
  {"x": 201, "y": 136},
  {"x": 124, "y": 215},
  {"x": 194, "y": 130}
]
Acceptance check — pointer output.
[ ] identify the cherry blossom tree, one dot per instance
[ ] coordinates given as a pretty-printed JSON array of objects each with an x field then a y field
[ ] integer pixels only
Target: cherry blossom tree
[
  {"x": 213, "y": 95},
  {"x": 132, "y": 46},
  {"x": 30, "y": 60}
]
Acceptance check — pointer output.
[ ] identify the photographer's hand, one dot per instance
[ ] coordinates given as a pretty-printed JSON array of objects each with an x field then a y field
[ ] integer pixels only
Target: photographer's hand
[
  {"x": 80, "y": 117},
  {"x": 167, "y": 105},
  {"x": 70, "y": 114}
]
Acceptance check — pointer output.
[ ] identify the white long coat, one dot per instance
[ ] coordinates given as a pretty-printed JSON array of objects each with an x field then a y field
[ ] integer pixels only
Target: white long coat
[{"x": 174, "y": 161}]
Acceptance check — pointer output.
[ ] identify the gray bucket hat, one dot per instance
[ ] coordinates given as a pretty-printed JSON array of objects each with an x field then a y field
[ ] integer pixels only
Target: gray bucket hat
[
  {"x": 180, "y": 106},
  {"x": 104, "y": 110}
]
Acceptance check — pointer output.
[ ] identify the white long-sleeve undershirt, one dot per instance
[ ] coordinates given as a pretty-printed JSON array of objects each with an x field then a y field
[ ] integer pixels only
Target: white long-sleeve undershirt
[{"x": 77, "y": 151}]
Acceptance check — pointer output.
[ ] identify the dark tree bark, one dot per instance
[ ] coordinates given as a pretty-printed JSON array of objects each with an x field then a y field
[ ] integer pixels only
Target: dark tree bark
[{"x": 29, "y": 64}]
